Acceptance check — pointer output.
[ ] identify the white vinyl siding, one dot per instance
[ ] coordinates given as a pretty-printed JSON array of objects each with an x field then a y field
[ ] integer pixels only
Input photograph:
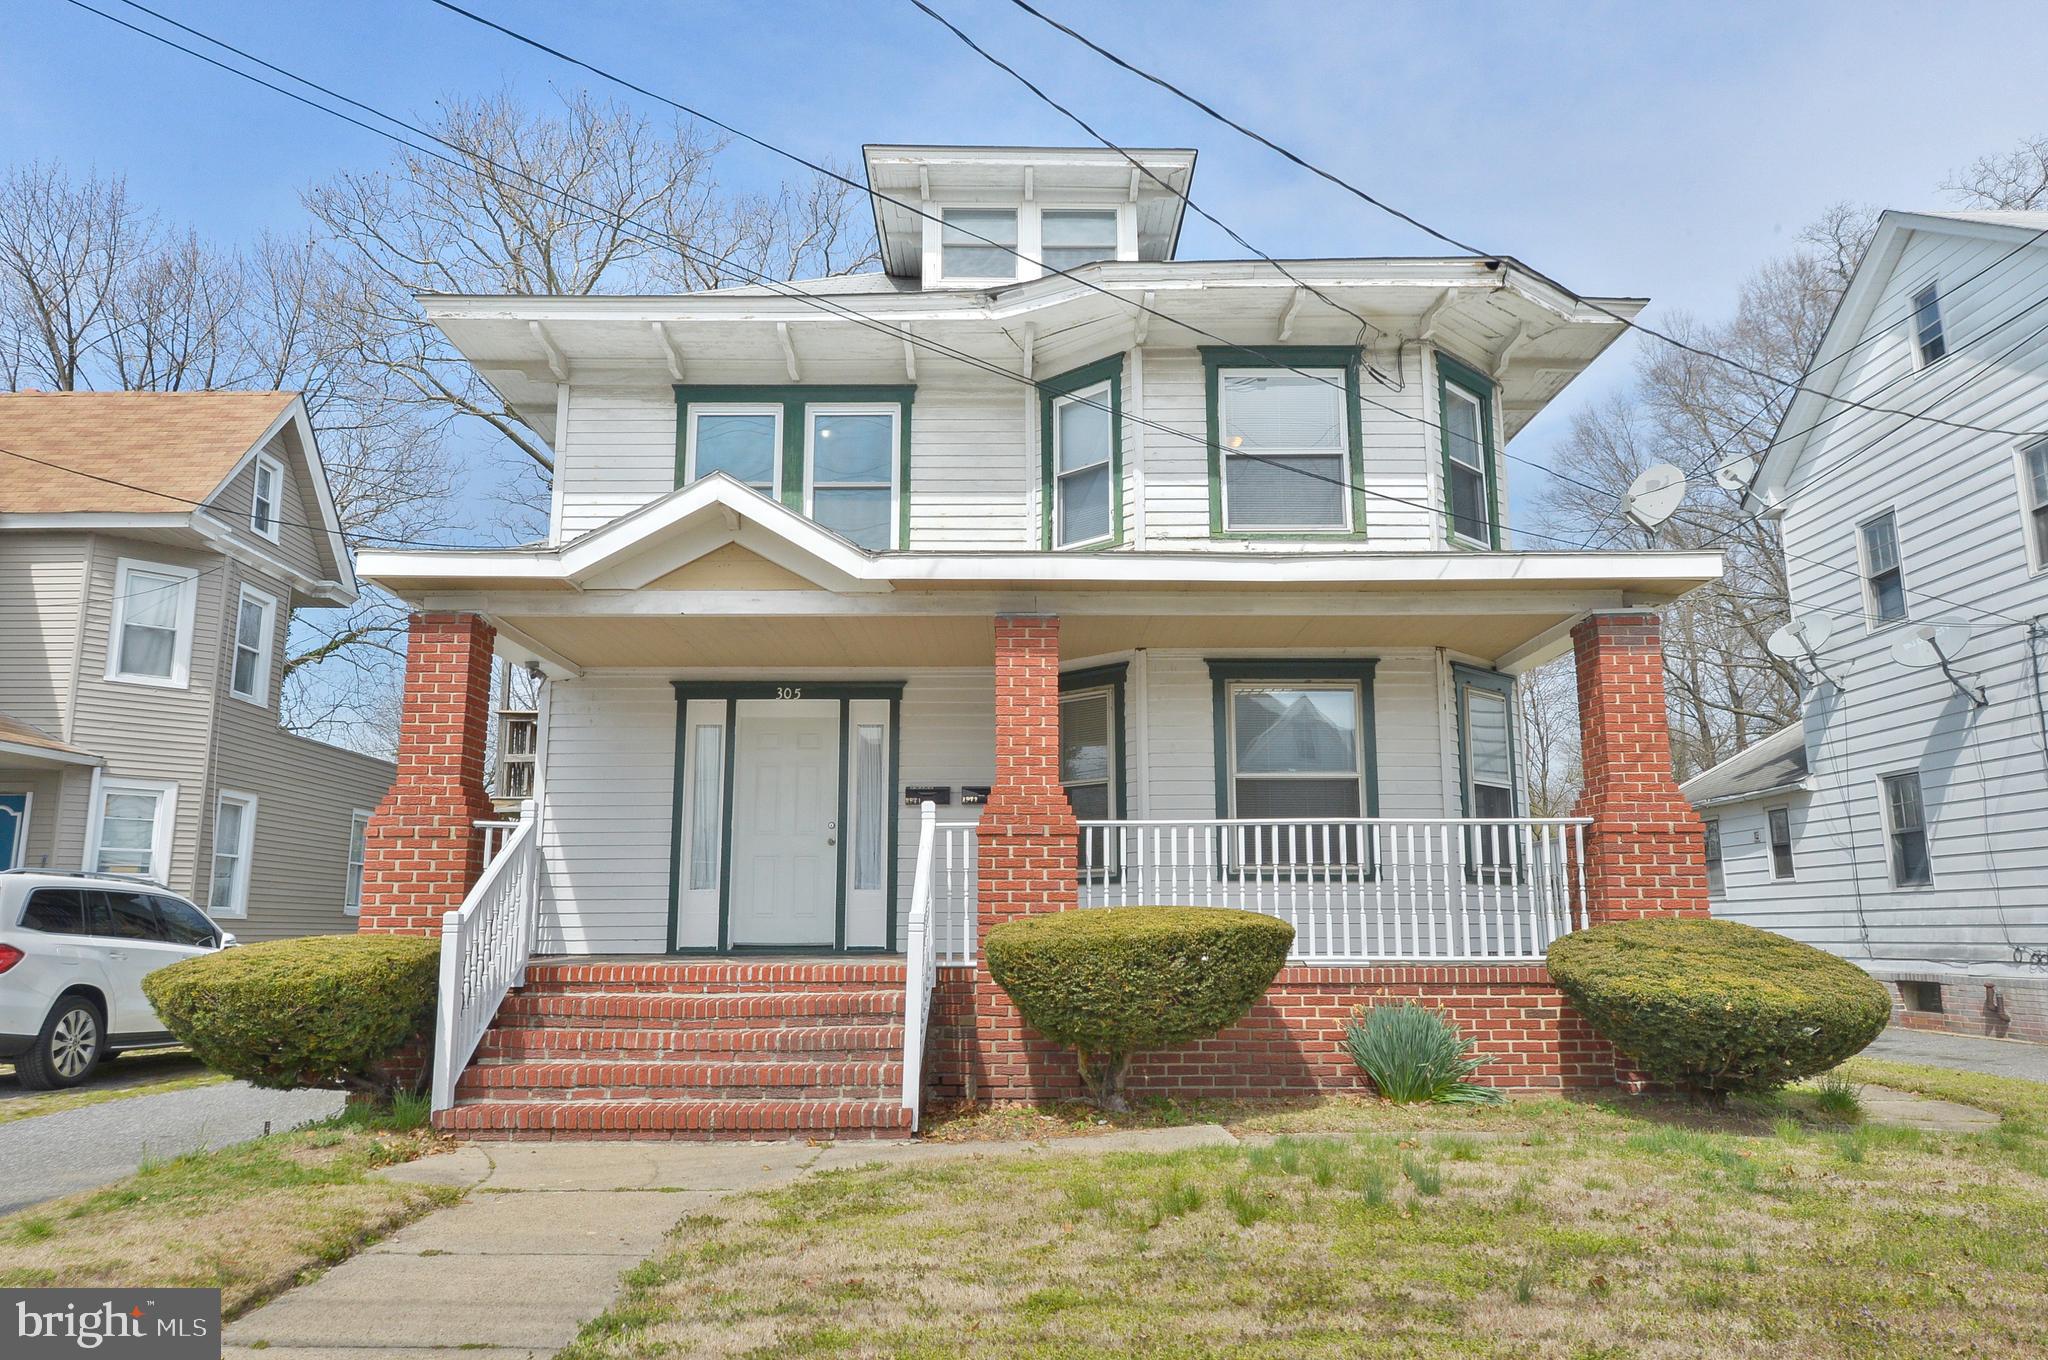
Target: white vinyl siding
[
  {"x": 234, "y": 839},
  {"x": 255, "y": 629},
  {"x": 1283, "y": 449},
  {"x": 151, "y": 638}
]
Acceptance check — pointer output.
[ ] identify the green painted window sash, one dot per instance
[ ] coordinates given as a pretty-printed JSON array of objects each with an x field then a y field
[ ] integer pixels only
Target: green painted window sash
[
  {"x": 1465, "y": 679},
  {"x": 1050, "y": 390},
  {"x": 1451, "y": 373},
  {"x": 793, "y": 398},
  {"x": 1216, "y": 358}
]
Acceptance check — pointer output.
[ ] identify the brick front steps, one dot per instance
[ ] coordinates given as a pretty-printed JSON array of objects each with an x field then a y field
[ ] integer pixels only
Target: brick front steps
[{"x": 685, "y": 1050}]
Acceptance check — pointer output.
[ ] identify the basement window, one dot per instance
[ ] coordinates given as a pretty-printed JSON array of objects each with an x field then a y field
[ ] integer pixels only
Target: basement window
[{"x": 1922, "y": 996}]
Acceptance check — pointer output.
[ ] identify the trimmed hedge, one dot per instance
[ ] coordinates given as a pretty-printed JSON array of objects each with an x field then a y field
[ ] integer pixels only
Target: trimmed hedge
[
  {"x": 325, "y": 1011},
  {"x": 1717, "y": 1006},
  {"x": 1113, "y": 981}
]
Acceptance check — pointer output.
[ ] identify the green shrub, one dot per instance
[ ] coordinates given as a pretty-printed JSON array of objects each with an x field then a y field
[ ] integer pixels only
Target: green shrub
[
  {"x": 1716, "y": 1006},
  {"x": 326, "y": 1011},
  {"x": 1113, "y": 981},
  {"x": 1414, "y": 1054}
]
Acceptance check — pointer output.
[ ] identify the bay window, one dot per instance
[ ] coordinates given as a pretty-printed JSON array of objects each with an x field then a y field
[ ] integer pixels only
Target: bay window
[
  {"x": 1465, "y": 411},
  {"x": 255, "y": 625},
  {"x": 234, "y": 835},
  {"x": 1081, "y": 432}
]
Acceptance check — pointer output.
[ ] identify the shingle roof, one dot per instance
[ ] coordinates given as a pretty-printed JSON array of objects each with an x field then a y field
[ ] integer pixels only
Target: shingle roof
[
  {"x": 1777, "y": 762},
  {"x": 178, "y": 446},
  {"x": 15, "y": 732}
]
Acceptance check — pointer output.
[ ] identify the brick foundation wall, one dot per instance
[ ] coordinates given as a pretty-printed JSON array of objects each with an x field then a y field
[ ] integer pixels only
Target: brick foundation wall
[
  {"x": 1292, "y": 1042},
  {"x": 2018, "y": 1011},
  {"x": 422, "y": 850}
]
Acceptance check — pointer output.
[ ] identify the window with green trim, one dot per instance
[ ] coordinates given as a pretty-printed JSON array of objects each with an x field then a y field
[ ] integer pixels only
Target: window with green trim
[
  {"x": 1486, "y": 765},
  {"x": 1294, "y": 761},
  {"x": 1284, "y": 441},
  {"x": 1471, "y": 486},
  {"x": 1080, "y": 420}
]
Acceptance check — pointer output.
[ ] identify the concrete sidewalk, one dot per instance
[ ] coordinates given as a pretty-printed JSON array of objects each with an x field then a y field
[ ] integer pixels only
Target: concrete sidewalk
[{"x": 539, "y": 1245}]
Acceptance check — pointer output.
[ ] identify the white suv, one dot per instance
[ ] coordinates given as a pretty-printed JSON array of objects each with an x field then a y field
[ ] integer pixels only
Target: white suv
[{"x": 74, "y": 949}]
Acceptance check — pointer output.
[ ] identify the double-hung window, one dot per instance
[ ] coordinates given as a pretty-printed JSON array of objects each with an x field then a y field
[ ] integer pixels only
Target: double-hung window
[
  {"x": 129, "y": 831},
  {"x": 1069, "y": 238},
  {"x": 1089, "y": 763},
  {"x": 266, "y": 496},
  {"x": 1779, "y": 822},
  {"x": 1285, "y": 447},
  {"x": 1906, "y": 823},
  {"x": 1716, "y": 883},
  {"x": 1295, "y": 762},
  {"x": 150, "y": 642},
  {"x": 1487, "y": 752},
  {"x": 234, "y": 837},
  {"x": 358, "y": 852},
  {"x": 1081, "y": 426},
  {"x": 742, "y": 441},
  {"x": 2033, "y": 469},
  {"x": 1465, "y": 403},
  {"x": 1884, "y": 574},
  {"x": 851, "y": 460},
  {"x": 1929, "y": 344},
  {"x": 978, "y": 243},
  {"x": 255, "y": 626}
]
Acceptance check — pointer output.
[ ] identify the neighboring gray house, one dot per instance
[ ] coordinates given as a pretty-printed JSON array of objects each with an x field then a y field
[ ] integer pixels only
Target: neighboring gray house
[
  {"x": 1902, "y": 823},
  {"x": 152, "y": 548}
]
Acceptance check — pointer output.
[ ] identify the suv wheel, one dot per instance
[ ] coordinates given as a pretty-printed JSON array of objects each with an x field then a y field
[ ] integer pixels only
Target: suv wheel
[{"x": 70, "y": 1046}]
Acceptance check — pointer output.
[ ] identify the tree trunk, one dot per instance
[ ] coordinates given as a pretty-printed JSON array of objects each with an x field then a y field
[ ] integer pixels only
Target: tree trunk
[{"x": 1103, "y": 1075}]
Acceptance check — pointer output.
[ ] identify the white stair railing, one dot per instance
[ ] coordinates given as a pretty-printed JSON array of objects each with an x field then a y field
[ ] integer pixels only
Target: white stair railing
[
  {"x": 921, "y": 965},
  {"x": 485, "y": 946}
]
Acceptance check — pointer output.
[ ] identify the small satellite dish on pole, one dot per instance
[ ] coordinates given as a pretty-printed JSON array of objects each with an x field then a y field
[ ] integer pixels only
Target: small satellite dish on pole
[
  {"x": 1653, "y": 497},
  {"x": 1800, "y": 641},
  {"x": 1735, "y": 476},
  {"x": 1926, "y": 647}
]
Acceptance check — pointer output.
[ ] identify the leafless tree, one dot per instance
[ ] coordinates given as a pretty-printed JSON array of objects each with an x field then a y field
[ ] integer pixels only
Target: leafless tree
[
  {"x": 64, "y": 250},
  {"x": 2017, "y": 180},
  {"x": 1547, "y": 701}
]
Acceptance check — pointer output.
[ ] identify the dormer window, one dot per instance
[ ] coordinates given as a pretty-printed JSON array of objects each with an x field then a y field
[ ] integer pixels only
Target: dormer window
[
  {"x": 979, "y": 243},
  {"x": 263, "y": 502},
  {"x": 1070, "y": 238}
]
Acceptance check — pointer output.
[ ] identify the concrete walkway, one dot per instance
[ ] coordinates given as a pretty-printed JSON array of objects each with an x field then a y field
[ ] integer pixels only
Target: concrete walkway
[
  {"x": 539, "y": 1245},
  {"x": 1997, "y": 1057}
]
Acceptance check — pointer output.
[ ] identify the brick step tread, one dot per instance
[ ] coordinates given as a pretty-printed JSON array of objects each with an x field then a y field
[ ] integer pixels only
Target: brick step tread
[
  {"x": 666, "y": 1006},
  {"x": 593, "y": 1043},
  {"x": 706, "y": 1076},
  {"x": 702, "y": 1118},
  {"x": 716, "y": 976}
]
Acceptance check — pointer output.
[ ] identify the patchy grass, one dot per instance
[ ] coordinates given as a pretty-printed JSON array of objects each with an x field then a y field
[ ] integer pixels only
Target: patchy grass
[
  {"x": 1618, "y": 1227},
  {"x": 131, "y": 1074},
  {"x": 249, "y": 1220}
]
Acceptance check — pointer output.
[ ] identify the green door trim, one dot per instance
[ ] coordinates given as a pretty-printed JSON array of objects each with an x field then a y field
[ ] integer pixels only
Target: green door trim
[{"x": 732, "y": 691}]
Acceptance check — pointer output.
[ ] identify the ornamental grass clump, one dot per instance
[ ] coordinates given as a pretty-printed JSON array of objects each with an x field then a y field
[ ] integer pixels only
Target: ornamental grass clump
[
  {"x": 1111, "y": 982},
  {"x": 1716, "y": 1007},
  {"x": 324, "y": 1011},
  {"x": 1414, "y": 1055}
]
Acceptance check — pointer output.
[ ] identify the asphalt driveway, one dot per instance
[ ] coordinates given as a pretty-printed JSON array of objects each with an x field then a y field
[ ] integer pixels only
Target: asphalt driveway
[
  {"x": 71, "y": 1150},
  {"x": 1996, "y": 1057}
]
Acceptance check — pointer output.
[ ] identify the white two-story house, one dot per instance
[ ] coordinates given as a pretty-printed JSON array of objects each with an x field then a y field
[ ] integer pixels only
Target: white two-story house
[
  {"x": 152, "y": 548},
  {"x": 1160, "y": 580},
  {"x": 1903, "y": 821}
]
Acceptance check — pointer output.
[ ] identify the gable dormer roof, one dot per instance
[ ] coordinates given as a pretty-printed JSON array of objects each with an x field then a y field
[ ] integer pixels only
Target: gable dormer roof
[{"x": 904, "y": 179}]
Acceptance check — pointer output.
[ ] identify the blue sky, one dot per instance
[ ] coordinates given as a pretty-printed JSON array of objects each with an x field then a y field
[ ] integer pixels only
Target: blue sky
[{"x": 1625, "y": 148}]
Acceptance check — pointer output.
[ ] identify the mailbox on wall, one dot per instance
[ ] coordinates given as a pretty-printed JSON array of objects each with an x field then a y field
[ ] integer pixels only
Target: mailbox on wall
[
  {"x": 941, "y": 794},
  {"x": 973, "y": 795}
]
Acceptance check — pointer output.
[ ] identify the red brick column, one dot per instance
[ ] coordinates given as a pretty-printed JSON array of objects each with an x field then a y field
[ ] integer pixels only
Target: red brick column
[
  {"x": 1027, "y": 851},
  {"x": 422, "y": 850},
  {"x": 1645, "y": 851}
]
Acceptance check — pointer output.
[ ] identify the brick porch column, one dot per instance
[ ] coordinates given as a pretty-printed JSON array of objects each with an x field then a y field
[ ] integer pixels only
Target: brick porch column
[
  {"x": 422, "y": 850},
  {"x": 1027, "y": 848},
  {"x": 1645, "y": 853}
]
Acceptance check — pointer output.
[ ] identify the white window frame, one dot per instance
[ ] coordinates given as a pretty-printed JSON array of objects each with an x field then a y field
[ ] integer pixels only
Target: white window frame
[
  {"x": 1342, "y": 452},
  {"x": 1116, "y": 250},
  {"x": 243, "y": 853},
  {"x": 1453, "y": 389},
  {"x": 1914, "y": 340},
  {"x": 1351, "y": 687},
  {"x": 2037, "y": 553},
  {"x": 1030, "y": 238},
  {"x": 166, "y": 794},
  {"x": 1026, "y": 249},
  {"x": 1791, "y": 844},
  {"x": 891, "y": 409},
  {"x": 352, "y": 868},
  {"x": 1715, "y": 852},
  {"x": 734, "y": 408},
  {"x": 1872, "y": 621},
  {"x": 1099, "y": 396},
  {"x": 181, "y": 649},
  {"x": 260, "y": 696},
  {"x": 1891, "y": 830},
  {"x": 265, "y": 464}
]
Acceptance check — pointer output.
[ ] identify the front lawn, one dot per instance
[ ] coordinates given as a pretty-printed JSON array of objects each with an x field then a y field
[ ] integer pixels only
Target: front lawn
[
  {"x": 1544, "y": 1228},
  {"x": 250, "y": 1219}
]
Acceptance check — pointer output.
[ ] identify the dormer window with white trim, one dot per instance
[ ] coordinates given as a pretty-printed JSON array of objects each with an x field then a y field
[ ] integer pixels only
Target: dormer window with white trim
[
  {"x": 267, "y": 497},
  {"x": 979, "y": 243},
  {"x": 1069, "y": 237},
  {"x": 1929, "y": 344}
]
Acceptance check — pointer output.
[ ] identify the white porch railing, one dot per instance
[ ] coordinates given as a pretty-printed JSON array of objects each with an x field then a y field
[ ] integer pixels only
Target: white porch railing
[
  {"x": 1360, "y": 889},
  {"x": 485, "y": 944},
  {"x": 494, "y": 834},
  {"x": 920, "y": 965},
  {"x": 953, "y": 894}
]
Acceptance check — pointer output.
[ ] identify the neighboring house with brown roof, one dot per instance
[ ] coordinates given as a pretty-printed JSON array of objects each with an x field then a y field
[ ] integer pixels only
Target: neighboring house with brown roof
[{"x": 152, "y": 548}]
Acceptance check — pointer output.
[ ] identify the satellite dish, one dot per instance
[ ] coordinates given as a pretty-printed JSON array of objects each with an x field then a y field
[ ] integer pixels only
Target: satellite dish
[
  {"x": 1916, "y": 652},
  {"x": 1801, "y": 640},
  {"x": 1785, "y": 645},
  {"x": 1951, "y": 640},
  {"x": 1653, "y": 497},
  {"x": 1927, "y": 646},
  {"x": 1735, "y": 476}
]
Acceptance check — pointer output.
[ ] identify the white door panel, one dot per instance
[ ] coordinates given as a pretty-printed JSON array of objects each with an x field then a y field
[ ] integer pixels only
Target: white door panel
[{"x": 785, "y": 834}]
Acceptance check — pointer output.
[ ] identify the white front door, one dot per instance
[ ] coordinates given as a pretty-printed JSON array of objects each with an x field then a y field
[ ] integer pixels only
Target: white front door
[{"x": 785, "y": 830}]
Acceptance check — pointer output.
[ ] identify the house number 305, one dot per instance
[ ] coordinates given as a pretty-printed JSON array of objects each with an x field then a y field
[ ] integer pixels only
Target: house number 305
[{"x": 789, "y": 691}]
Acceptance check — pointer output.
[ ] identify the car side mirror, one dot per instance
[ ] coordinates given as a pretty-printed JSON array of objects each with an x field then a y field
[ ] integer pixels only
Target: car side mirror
[{"x": 227, "y": 941}]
